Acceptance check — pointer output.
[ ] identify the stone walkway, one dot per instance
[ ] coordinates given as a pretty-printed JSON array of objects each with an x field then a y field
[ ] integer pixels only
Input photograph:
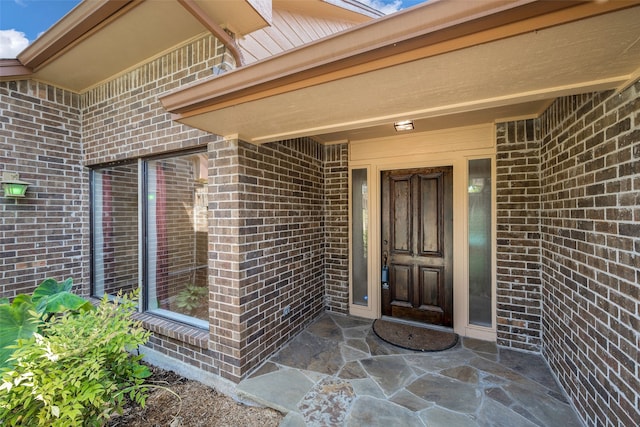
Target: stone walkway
[{"x": 339, "y": 373}]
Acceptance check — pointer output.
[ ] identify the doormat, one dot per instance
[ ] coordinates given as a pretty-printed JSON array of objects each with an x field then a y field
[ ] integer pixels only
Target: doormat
[{"x": 412, "y": 337}]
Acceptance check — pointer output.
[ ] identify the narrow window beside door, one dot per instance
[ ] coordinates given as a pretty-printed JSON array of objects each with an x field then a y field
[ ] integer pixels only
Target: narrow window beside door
[
  {"x": 359, "y": 240},
  {"x": 480, "y": 248}
]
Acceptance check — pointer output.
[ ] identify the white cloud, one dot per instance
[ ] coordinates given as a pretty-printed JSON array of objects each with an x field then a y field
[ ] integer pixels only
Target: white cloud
[
  {"x": 12, "y": 42},
  {"x": 384, "y": 6}
]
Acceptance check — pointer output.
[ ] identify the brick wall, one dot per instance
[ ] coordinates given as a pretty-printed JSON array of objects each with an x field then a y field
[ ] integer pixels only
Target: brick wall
[
  {"x": 123, "y": 118},
  {"x": 267, "y": 252},
  {"x": 568, "y": 211},
  {"x": 45, "y": 234},
  {"x": 518, "y": 282},
  {"x": 590, "y": 178},
  {"x": 266, "y": 226},
  {"x": 336, "y": 223}
]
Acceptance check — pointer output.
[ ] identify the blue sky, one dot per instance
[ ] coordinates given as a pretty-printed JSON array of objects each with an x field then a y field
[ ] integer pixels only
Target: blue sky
[{"x": 22, "y": 21}]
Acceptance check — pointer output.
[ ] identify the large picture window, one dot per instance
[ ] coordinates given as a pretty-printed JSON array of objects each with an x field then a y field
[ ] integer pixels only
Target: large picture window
[{"x": 173, "y": 256}]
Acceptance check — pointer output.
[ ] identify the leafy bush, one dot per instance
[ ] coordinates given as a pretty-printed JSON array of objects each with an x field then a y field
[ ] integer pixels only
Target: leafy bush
[
  {"x": 24, "y": 316},
  {"x": 76, "y": 369}
]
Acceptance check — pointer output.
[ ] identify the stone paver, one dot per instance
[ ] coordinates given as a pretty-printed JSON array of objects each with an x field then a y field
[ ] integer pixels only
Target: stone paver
[
  {"x": 390, "y": 372},
  {"x": 493, "y": 414},
  {"x": 441, "y": 417},
  {"x": 410, "y": 401},
  {"x": 371, "y": 412},
  {"x": 352, "y": 370},
  {"x": 367, "y": 387},
  {"x": 447, "y": 393},
  {"x": 337, "y": 372},
  {"x": 281, "y": 390},
  {"x": 328, "y": 402},
  {"x": 466, "y": 374},
  {"x": 311, "y": 352}
]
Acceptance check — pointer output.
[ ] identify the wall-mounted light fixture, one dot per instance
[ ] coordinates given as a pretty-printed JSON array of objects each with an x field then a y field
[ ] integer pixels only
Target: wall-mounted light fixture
[
  {"x": 12, "y": 185},
  {"x": 403, "y": 125}
]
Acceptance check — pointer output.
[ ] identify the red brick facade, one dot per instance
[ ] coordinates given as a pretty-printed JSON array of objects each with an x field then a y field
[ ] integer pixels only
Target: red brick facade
[
  {"x": 518, "y": 282},
  {"x": 267, "y": 241},
  {"x": 45, "y": 234},
  {"x": 590, "y": 223},
  {"x": 568, "y": 247},
  {"x": 567, "y": 225}
]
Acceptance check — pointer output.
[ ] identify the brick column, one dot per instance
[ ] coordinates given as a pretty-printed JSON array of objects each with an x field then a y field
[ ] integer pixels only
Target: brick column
[
  {"x": 266, "y": 247},
  {"x": 224, "y": 257},
  {"x": 336, "y": 178},
  {"x": 518, "y": 288}
]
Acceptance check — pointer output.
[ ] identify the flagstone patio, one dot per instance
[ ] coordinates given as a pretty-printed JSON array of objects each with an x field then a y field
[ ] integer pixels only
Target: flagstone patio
[{"x": 337, "y": 372}]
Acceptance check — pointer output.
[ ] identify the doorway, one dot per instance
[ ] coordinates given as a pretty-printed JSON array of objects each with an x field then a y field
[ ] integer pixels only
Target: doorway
[{"x": 417, "y": 244}]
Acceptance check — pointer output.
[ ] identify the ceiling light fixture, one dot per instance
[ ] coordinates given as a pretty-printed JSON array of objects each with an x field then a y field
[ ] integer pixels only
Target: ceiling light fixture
[{"x": 403, "y": 125}]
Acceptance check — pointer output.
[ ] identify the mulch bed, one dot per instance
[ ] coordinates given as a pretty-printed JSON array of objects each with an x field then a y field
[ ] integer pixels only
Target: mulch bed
[{"x": 199, "y": 405}]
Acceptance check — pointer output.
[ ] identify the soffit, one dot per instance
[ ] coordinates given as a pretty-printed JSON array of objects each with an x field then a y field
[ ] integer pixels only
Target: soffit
[
  {"x": 240, "y": 17},
  {"x": 101, "y": 39},
  {"x": 295, "y": 23},
  {"x": 345, "y": 9},
  {"x": 509, "y": 77}
]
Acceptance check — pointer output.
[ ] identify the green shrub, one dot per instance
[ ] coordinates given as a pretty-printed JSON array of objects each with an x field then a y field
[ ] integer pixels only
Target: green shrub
[
  {"x": 24, "y": 316},
  {"x": 77, "y": 369}
]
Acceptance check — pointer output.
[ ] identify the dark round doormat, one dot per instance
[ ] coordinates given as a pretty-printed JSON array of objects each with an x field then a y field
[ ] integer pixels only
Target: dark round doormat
[{"x": 414, "y": 337}]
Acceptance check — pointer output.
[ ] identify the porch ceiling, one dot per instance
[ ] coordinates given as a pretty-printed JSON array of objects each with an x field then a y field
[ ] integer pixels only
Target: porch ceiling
[{"x": 445, "y": 63}]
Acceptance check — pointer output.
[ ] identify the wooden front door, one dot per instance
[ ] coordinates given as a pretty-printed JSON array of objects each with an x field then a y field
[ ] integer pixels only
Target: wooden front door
[{"x": 417, "y": 231}]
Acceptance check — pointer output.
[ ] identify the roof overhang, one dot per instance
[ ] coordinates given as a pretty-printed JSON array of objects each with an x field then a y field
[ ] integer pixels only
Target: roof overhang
[
  {"x": 100, "y": 39},
  {"x": 444, "y": 63}
]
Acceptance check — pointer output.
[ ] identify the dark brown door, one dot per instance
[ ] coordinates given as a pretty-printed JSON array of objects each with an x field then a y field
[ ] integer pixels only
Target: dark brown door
[{"x": 417, "y": 231}]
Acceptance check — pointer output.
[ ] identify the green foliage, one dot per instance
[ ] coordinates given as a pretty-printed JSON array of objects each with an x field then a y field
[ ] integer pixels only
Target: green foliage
[
  {"x": 54, "y": 297},
  {"x": 191, "y": 298},
  {"x": 18, "y": 320},
  {"x": 23, "y": 317},
  {"x": 77, "y": 370}
]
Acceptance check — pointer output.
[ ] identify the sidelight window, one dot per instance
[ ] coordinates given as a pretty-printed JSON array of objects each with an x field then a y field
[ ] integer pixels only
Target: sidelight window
[
  {"x": 360, "y": 237},
  {"x": 480, "y": 248}
]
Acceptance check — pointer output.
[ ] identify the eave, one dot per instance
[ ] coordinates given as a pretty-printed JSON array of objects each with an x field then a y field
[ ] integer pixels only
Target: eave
[
  {"x": 100, "y": 39},
  {"x": 13, "y": 68},
  {"x": 344, "y": 86}
]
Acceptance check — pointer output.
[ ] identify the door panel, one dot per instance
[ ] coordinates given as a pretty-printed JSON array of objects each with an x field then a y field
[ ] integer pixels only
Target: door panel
[
  {"x": 430, "y": 285},
  {"x": 430, "y": 227},
  {"x": 401, "y": 276},
  {"x": 402, "y": 219},
  {"x": 417, "y": 231}
]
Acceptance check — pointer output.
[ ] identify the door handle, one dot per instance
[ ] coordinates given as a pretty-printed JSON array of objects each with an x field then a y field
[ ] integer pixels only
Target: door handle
[{"x": 385, "y": 272}]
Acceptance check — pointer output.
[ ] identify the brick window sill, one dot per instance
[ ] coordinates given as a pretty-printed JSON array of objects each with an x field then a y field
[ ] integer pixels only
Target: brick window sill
[
  {"x": 170, "y": 328},
  {"x": 178, "y": 331}
]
